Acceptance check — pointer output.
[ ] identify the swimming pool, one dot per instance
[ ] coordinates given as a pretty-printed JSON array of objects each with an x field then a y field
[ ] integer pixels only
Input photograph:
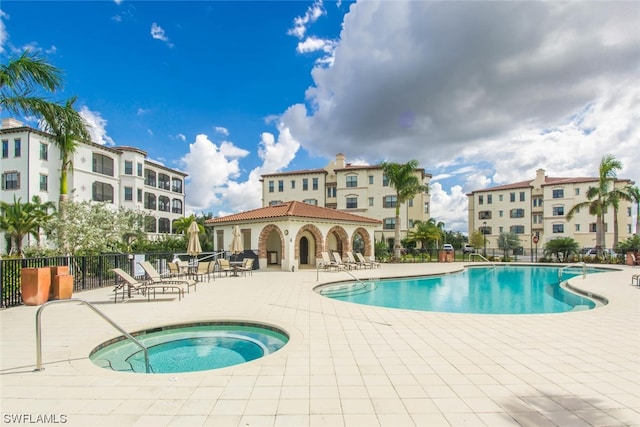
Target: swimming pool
[
  {"x": 191, "y": 347},
  {"x": 482, "y": 290}
]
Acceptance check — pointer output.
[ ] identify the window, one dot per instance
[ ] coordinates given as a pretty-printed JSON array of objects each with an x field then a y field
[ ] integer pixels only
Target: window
[
  {"x": 484, "y": 215},
  {"x": 11, "y": 180},
  {"x": 426, "y": 207},
  {"x": 150, "y": 224},
  {"x": 516, "y": 213},
  {"x": 517, "y": 229},
  {"x": 293, "y": 184},
  {"x": 558, "y": 211},
  {"x": 176, "y": 185},
  {"x": 176, "y": 206},
  {"x": 149, "y": 178},
  {"x": 139, "y": 165},
  {"x": 500, "y": 214},
  {"x": 558, "y": 228},
  {"x": 410, "y": 203},
  {"x": 331, "y": 191},
  {"x": 305, "y": 184},
  {"x": 271, "y": 186},
  {"x": 628, "y": 211},
  {"x": 593, "y": 227},
  {"x": 577, "y": 191},
  {"x": 128, "y": 167},
  {"x": 352, "y": 202},
  {"x": 17, "y": 148},
  {"x": 128, "y": 194},
  {"x": 5, "y": 148},
  {"x": 370, "y": 179},
  {"x": 512, "y": 197},
  {"x": 411, "y": 223},
  {"x": 164, "y": 181},
  {"x": 44, "y": 182},
  {"x": 352, "y": 181},
  {"x": 389, "y": 224},
  {"x": 522, "y": 196},
  {"x": 389, "y": 201},
  {"x": 489, "y": 198},
  {"x": 275, "y": 202},
  {"x": 485, "y": 230},
  {"x": 537, "y": 202},
  {"x": 385, "y": 181},
  {"x": 164, "y": 204},
  {"x": 370, "y": 201},
  {"x": 481, "y": 200},
  {"x": 537, "y": 218},
  {"x": 280, "y": 186},
  {"x": 501, "y": 197},
  {"x": 314, "y": 184},
  {"x": 139, "y": 198},
  {"x": 102, "y": 192},
  {"x": 558, "y": 193},
  {"x": 164, "y": 225},
  {"x": 311, "y": 201},
  {"x": 500, "y": 229},
  {"x": 102, "y": 164},
  {"x": 149, "y": 201},
  {"x": 44, "y": 151},
  {"x": 577, "y": 227}
]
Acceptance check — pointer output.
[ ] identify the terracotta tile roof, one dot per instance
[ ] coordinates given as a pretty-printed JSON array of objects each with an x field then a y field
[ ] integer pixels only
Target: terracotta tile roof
[
  {"x": 293, "y": 209},
  {"x": 547, "y": 181},
  {"x": 298, "y": 172}
]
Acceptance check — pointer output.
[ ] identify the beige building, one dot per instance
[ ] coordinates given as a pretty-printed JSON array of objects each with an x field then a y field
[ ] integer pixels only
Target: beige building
[
  {"x": 539, "y": 207},
  {"x": 119, "y": 176},
  {"x": 293, "y": 235},
  {"x": 358, "y": 189}
]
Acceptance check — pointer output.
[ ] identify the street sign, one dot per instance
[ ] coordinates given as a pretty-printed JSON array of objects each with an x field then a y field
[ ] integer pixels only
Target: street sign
[{"x": 535, "y": 239}]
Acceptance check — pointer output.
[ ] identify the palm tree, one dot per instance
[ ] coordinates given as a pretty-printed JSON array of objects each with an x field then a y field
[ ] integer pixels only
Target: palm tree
[
  {"x": 22, "y": 80},
  {"x": 181, "y": 225},
  {"x": 425, "y": 232},
  {"x": 18, "y": 220},
  {"x": 403, "y": 178},
  {"x": 67, "y": 127},
  {"x": 598, "y": 197},
  {"x": 508, "y": 241},
  {"x": 634, "y": 195}
]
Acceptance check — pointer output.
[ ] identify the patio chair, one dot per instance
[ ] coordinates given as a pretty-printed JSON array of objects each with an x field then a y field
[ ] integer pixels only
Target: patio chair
[
  {"x": 339, "y": 262},
  {"x": 174, "y": 269},
  {"x": 157, "y": 279},
  {"x": 224, "y": 266},
  {"x": 128, "y": 284},
  {"x": 204, "y": 269},
  {"x": 327, "y": 263},
  {"x": 247, "y": 266},
  {"x": 351, "y": 261}
]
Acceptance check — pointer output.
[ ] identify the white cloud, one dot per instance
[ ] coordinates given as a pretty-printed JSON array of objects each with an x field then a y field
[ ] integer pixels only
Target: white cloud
[
  {"x": 450, "y": 208},
  {"x": 181, "y": 137},
  {"x": 4, "y": 36},
  {"x": 486, "y": 92},
  {"x": 222, "y": 130},
  {"x": 98, "y": 126},
  {"x": 157, "y": 32},
  {"x": 142, "y": 112},
  {"x": 301, "y": 23}
]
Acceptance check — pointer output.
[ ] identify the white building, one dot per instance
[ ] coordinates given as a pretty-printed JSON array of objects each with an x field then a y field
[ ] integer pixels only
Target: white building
[
  {"x": 120, "y": 176},
  {"x": 359, "y": 189},
  {"x": 540, "y": 206}
]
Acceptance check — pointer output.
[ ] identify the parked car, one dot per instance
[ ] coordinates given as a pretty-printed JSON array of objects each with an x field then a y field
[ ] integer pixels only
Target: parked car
[
  {"x": 468, "y": 249},
  {"x": 607, "y": 253},
  {"x": 447, "y": 247}
]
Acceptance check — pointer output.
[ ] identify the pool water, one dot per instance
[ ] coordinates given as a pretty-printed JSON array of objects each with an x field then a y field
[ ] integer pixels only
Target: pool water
[
  {"x": 191, "y": 348},
  {"x": 482, "y": 290}
]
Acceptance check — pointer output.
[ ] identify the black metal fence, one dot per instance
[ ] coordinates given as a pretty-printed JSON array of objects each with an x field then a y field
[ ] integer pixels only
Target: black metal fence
[{"x": 89, "y": 272}]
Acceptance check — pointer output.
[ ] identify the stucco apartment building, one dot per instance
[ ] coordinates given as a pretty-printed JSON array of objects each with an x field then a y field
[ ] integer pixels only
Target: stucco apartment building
[
  {"x": 358, "y": 189},
  {"x": 120, "y": 176},
  {"x": 539, "y": 208}
]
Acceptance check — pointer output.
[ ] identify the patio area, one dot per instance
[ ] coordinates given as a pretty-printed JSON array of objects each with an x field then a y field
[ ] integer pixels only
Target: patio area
[{"x": 344, "y": 365}]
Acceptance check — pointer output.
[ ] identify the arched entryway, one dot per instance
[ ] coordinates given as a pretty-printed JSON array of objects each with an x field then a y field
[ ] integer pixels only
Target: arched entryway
[
  {"x": 270, "y": 246},
  {"x": 308, "y": 245},
  {"x": 304, "y": 250}
]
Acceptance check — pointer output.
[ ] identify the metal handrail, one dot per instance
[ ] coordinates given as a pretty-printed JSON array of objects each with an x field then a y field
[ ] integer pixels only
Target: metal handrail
[
  {"x": 100, "y": 313},
  {"x": 479, "y": 255},
  {"x": 578, "y": 264}
]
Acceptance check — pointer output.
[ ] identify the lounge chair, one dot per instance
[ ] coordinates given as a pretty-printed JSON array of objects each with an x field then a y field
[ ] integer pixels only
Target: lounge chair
[
  {"x": 327, "y": 263},
  {"x": 351, "y": 261},
  {"x": 129, "y": 284},
  {"x": 157, "y": 279},
  {"x": 339, "y": 263},
  {"x": 371, "y": 262},
  {"x": 224, "y": 266}
]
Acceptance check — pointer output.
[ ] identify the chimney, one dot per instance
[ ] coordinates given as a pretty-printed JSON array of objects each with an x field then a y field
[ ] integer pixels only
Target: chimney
[
  {"x": 10, "y": 122},
  {"x": 341, "y": 161}
]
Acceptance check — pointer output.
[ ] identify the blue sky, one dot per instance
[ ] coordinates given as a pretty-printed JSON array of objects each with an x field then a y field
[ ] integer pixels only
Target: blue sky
[{"x": 480, "y": 93}]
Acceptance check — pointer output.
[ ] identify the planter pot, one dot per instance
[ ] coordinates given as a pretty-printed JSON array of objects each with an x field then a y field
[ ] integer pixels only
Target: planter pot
[
  {"x": 35, "y": 284},
  {"x": 56, "y": 270},
  {"x": 62, "y": 286}
]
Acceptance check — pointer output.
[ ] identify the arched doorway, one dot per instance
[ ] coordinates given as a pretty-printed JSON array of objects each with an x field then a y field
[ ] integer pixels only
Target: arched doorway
[{"x": 304, "y": 250}]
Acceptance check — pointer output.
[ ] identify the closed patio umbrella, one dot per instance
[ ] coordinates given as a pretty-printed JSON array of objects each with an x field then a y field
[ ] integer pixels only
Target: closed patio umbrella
[
  {"x": 193, "y": 247},
  {"x": 236, "y": 242}
]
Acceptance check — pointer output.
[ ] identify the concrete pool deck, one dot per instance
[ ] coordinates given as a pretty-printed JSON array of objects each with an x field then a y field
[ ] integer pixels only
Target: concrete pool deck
[{"x": 345, "y": 364}]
